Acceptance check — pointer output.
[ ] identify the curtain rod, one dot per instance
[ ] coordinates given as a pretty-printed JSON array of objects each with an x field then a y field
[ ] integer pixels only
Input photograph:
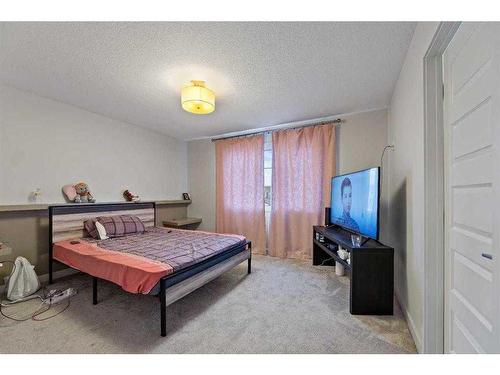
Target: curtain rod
[{"x": 336, "y": 121}]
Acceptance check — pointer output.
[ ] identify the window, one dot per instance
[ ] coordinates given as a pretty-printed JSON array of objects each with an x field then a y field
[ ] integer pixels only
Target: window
[{"x": 268, "y": 177}]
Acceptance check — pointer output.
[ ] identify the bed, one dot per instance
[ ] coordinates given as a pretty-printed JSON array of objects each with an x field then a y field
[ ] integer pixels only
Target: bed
[{"x": 165, "y": 262}]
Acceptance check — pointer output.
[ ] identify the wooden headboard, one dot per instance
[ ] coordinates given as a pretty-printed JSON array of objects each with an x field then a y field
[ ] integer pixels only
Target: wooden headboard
[{"x": 66, "y": 221}]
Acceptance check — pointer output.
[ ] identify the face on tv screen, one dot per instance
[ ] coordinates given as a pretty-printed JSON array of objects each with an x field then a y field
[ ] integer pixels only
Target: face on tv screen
[{"x": 354, "y": 202}]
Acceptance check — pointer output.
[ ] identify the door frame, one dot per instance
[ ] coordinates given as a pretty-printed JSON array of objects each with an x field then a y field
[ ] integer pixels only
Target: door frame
[{"x": 433, "y": 335}]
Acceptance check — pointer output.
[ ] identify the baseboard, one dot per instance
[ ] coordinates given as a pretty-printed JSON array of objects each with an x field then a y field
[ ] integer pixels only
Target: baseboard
[
  {"x": 45, "y": 277},
  {"x": 411, "y": 326}
]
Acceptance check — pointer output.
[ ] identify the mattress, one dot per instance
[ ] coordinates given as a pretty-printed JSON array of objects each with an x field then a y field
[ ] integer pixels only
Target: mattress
[{"x": 137, "y": 262}]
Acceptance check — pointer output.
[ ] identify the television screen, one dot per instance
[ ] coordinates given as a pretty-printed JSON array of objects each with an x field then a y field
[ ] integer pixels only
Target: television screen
[{"x": 354, "y": 202}]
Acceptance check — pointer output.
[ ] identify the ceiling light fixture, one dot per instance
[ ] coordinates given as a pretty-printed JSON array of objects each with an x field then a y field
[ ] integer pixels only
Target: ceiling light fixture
[{"x": 198, "y": 99}]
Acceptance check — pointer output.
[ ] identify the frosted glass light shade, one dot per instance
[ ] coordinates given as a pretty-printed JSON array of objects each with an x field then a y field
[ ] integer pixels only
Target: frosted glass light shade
[{"x": 198, "y": 99}]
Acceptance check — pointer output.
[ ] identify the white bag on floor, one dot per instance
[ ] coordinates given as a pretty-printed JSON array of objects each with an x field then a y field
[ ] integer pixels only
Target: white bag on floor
[{"x": 23, "y": 281}]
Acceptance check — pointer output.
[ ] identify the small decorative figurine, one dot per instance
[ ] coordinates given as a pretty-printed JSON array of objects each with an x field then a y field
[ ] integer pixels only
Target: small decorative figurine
[
  {"x": 35, "y": 195},
  {"x": 130, "y": 197}
]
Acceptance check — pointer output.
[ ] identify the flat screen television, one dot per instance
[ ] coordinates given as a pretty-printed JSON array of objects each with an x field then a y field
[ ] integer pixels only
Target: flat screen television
[{"x": 355, "y": 202}]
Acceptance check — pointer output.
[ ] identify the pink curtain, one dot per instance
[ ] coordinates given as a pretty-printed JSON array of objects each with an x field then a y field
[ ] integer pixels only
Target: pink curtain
[
  {"x": 303, "y": 165},
  {"x": 240, "y": 189}
]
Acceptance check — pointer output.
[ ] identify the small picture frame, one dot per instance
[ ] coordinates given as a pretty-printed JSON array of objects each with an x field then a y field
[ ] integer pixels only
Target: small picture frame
[{"x": 186, "y": 196}]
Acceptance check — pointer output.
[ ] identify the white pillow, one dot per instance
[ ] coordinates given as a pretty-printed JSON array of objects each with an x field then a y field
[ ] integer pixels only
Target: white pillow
[{"x": 101, "y": 231}]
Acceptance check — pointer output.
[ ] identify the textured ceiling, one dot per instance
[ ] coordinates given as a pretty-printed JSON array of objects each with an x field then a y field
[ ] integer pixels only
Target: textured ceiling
[{"x": 263, "y": 74}]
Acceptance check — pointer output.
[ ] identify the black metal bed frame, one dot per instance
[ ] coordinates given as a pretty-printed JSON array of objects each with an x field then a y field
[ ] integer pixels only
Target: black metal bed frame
[{"x": 166, "y": 281}]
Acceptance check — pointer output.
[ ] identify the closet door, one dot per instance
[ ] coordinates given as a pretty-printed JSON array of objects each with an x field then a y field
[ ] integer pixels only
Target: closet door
[{"x": 472, "y": 198}]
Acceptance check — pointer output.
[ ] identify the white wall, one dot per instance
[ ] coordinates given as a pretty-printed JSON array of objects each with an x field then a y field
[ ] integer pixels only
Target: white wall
[
  {"x": 360, "y": 141},
  {"x": 201, "y": 180},
  {"x": 406, "y": 180},
  {"x": 47, "y": 144}
]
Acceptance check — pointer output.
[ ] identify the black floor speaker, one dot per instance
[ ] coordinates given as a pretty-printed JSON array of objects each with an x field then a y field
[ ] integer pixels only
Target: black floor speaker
[{"x": 327, "y": 216}]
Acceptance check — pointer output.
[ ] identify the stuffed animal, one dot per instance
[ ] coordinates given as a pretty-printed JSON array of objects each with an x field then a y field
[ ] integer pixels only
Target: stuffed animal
[{"x": 83, "y": 194}]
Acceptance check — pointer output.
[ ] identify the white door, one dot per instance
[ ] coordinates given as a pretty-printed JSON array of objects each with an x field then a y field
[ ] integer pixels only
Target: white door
[{"x": 471, "y": 70}]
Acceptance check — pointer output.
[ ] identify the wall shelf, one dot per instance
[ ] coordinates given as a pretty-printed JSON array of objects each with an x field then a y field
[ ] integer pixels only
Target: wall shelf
[
  {"x": 23, "y": 207},
  {"x": 175, "y": 201},
  {"x": 182, "y": 222},
  {"x": 45, "y": 206}
]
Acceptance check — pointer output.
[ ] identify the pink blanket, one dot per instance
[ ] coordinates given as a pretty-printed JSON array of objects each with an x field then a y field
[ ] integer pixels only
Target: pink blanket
[
  {"x": 133, "y": 273},
  {"x": 137, "y": 262}
]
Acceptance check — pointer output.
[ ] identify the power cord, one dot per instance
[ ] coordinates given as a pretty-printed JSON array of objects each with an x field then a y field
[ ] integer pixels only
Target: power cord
[
  {"x": 326, "y": 260},
  {"x": 382, "y": 166},
  {"x": 383, "y": 152},
  {"x": 44, "y": 306}
]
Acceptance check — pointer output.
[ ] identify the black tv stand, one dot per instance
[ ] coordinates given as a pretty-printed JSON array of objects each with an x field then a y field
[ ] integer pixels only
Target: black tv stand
[
  {"x": 363, "y": 243},
  {"x": 371, "y": 269}
]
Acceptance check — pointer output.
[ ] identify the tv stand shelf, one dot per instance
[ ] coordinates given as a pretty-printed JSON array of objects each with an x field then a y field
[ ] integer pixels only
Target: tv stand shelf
[
  {"x": 371, "y": 269},
  {"x": 332, "y": 254}
]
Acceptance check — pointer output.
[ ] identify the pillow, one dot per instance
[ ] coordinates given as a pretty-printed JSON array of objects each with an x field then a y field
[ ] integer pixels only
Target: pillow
[
  {"x": 117, "y": 226},
  {"x": 90, "y": 227},
  {"x": 101, "y": 231}
]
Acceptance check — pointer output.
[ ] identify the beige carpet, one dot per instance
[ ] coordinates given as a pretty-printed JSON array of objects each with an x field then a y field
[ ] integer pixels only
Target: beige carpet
[{"x": 284, "y": 306}]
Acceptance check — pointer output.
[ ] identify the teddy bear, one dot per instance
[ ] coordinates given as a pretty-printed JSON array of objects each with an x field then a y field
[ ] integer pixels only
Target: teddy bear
[{"x": 83, "y": 194}]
